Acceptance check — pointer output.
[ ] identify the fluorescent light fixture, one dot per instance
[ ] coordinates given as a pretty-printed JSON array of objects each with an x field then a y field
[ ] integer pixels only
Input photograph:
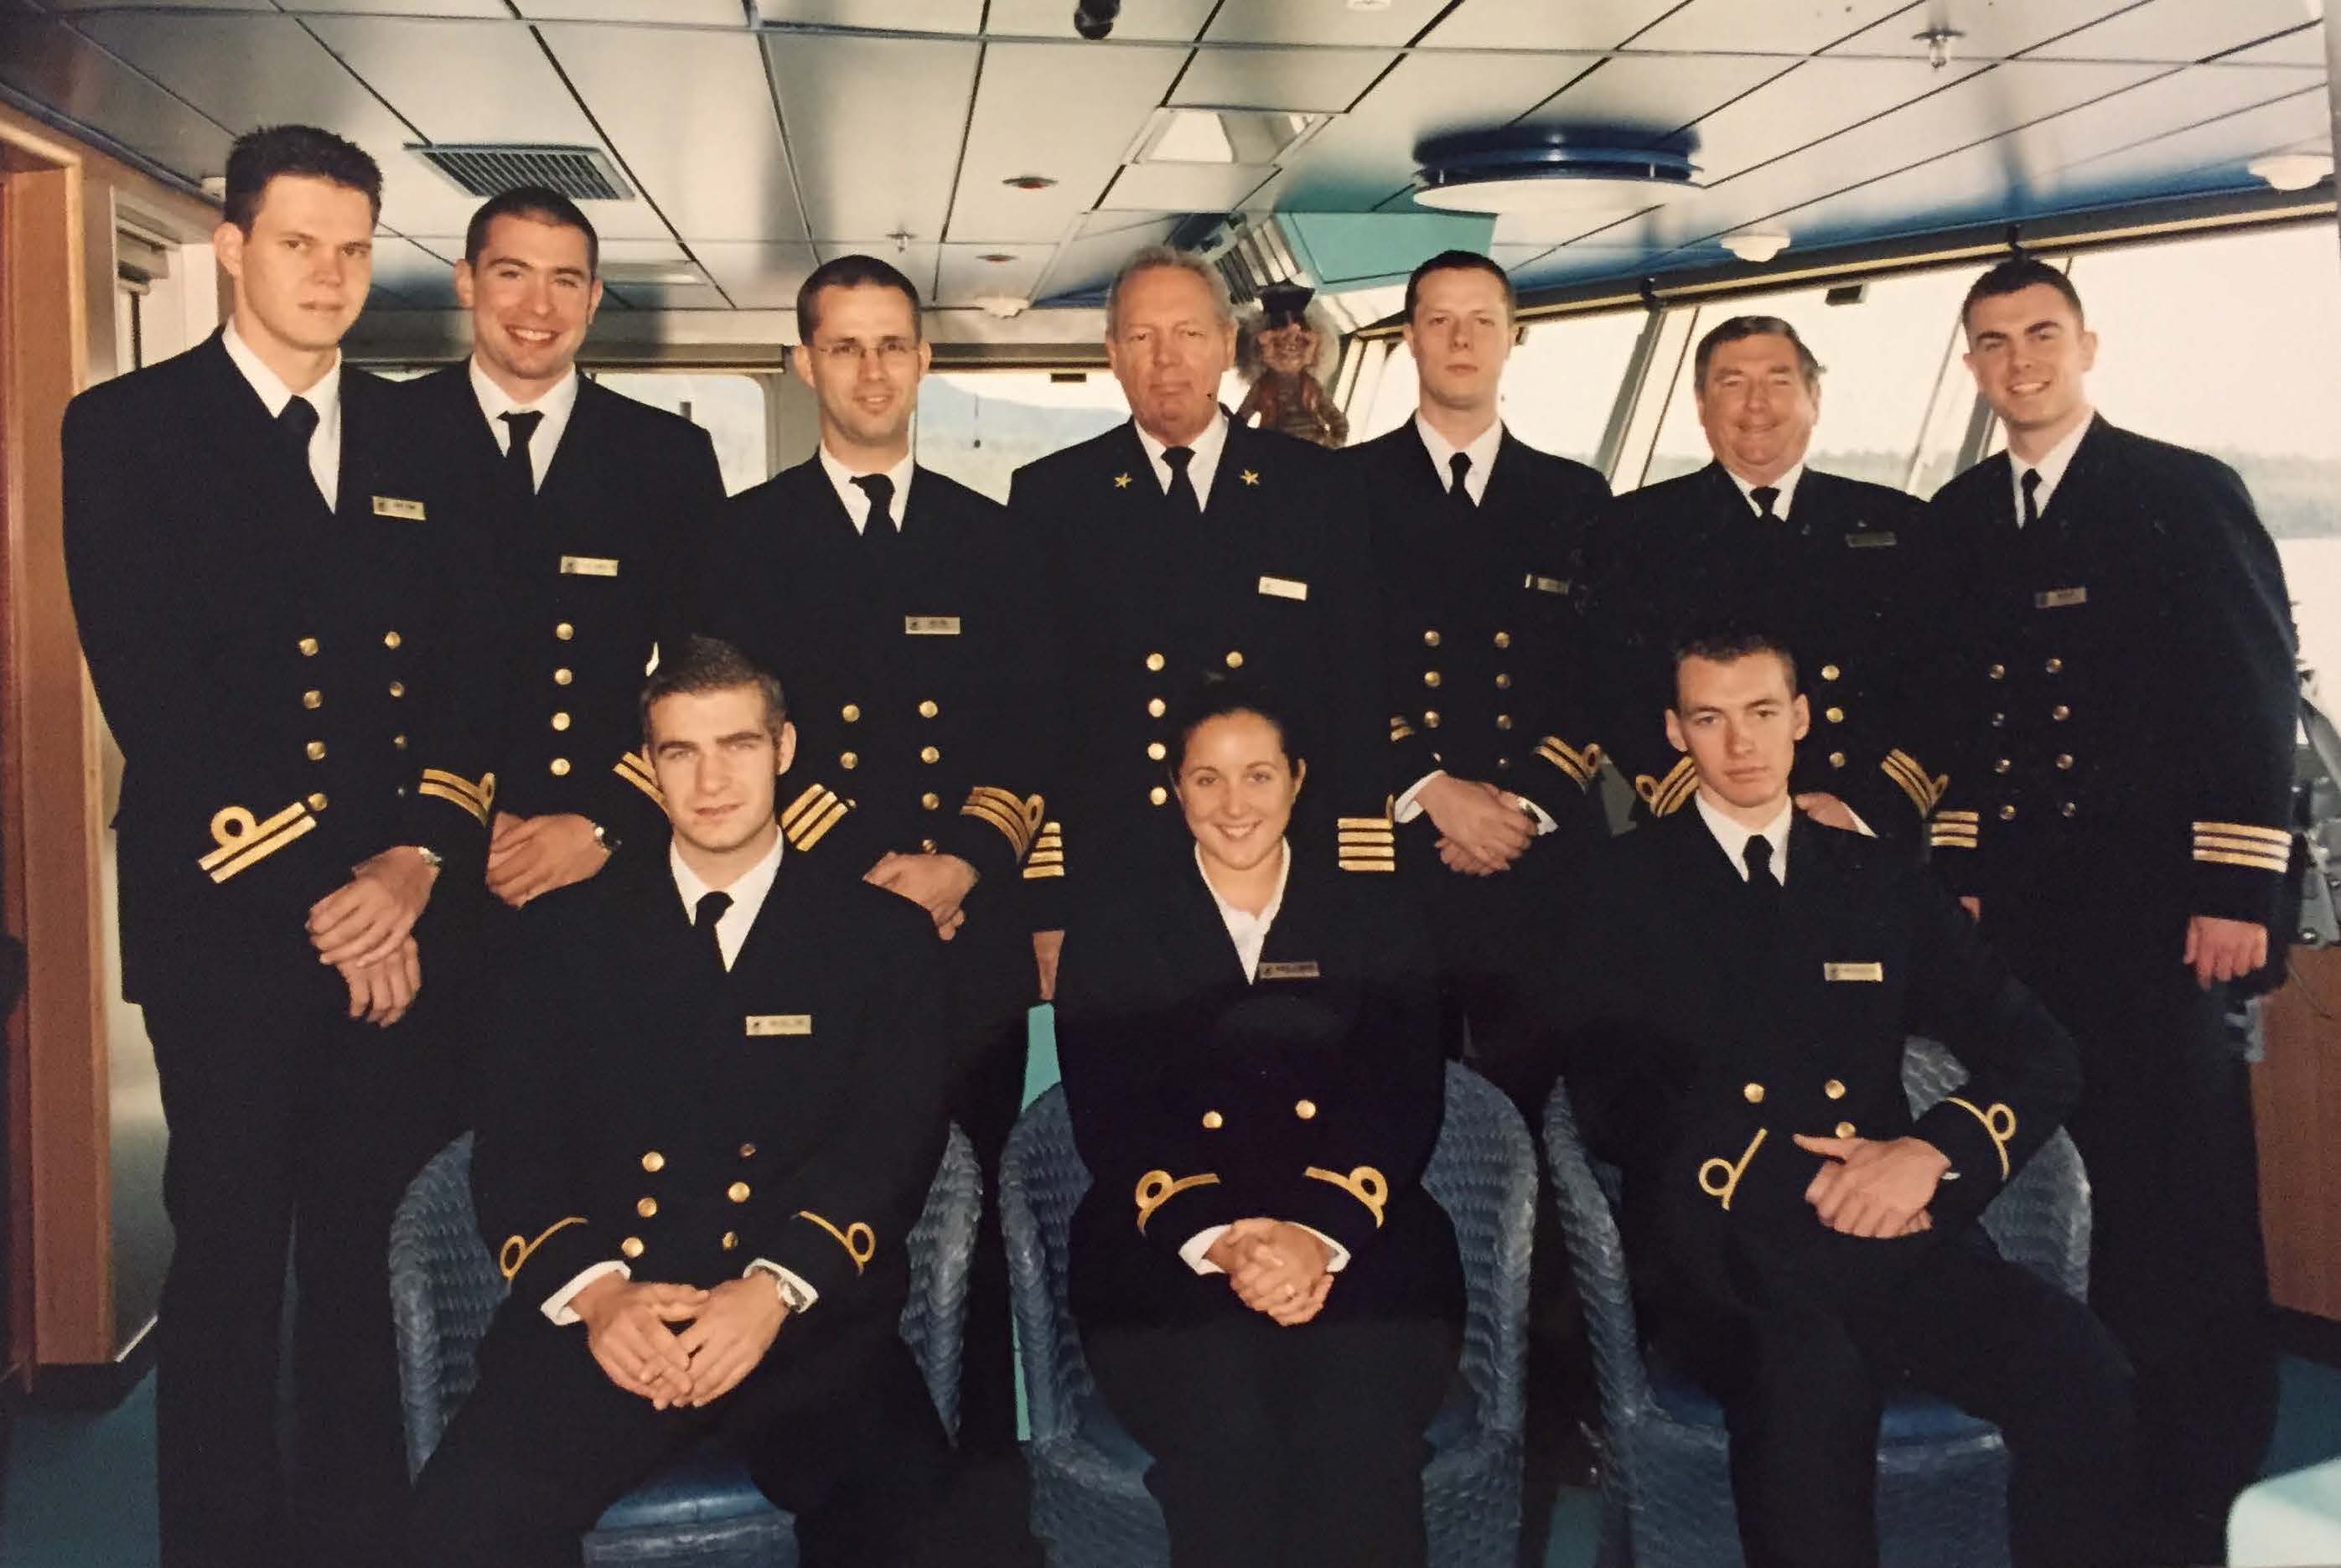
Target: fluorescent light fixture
[
  {"x": 653, "y": 274},
  {"x": 1552, "y": 169},
  {"x": 1258, "y": 137},
  {"x": 2292, "y": 171},
  {"x": 1756, "y": 245}
]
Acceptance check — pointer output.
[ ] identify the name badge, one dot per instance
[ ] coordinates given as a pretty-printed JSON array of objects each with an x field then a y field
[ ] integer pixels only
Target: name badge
[
  {"x": 1875, "y": 973},
  {"x": 931, "y": 626},
  {"x": 1546, "y": 584},
  {"x": 588, "y": 566},
  {"x": 2060, "y": 598},
  {"x": 1874, "y": 538},
  {"x": 392, "y": 506},
  {"x": 1304, "y": 970},
  {"x": 1283, "y": 588},
  {"x": 778, "y": 1024}
]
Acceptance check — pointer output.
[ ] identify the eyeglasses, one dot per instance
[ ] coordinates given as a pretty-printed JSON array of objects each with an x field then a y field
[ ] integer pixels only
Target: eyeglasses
[{"x": 851, "y": 351}]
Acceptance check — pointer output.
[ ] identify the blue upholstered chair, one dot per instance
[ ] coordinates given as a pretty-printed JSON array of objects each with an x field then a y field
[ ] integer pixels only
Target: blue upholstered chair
[
  {"x": 701, "y": 1510},
  {"x": 1942, "y": 1476},
  {"x": 1089, "y": 1502}
]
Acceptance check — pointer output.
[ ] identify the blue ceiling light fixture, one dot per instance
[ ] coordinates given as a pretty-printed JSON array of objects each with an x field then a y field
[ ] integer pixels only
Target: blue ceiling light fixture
[{"x": 1552, "y": 169}]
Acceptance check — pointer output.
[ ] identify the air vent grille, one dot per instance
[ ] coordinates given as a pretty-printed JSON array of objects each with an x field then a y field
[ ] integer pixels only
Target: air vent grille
[{"x": 484, "y": 169}]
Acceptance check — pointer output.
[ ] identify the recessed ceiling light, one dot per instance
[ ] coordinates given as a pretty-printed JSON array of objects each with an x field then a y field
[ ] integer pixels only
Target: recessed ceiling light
[
  {"x": 1258, "y": 136},
  {"x": 1551, "y": 169},
  {"x": 996, "y": 257},
  {"x": 1004, "y": 306},
  {"x": 2292, "y": 171},
  {"x": 643, "y": 274},
  {"x": 1028, "y": 181},
  {"x": 1756, "y": 245}
]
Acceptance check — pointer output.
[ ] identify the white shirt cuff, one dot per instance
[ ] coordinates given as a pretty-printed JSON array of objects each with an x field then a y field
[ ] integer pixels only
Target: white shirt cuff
[
  {"x": 766, "y": 1266},
  {"x": 556, "y": 1305},
  {"x": 1859, "y": 826},
  {"x": 1406, "y": 809},
  {"x": 1545, "y": 824},
  {"x": 1192, "y": 1250}
]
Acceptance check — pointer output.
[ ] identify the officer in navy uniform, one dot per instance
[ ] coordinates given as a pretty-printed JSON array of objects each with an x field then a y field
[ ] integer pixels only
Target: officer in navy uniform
[
  {"x": 271, "y": 605},
  {"x": 1476, "y": 540},
  {"x": 709, "y": 1125},
  {"x": 585, "y": 505},
  {"x": 906, "y": 626},
  {"x": 1847, "y": 569},
  {"x": 1179, "y": 546},
  {"x": 2118, "y": 811},
  {"x": 1741, "y": 980},
  {"x": 1271, "y": 1300}
]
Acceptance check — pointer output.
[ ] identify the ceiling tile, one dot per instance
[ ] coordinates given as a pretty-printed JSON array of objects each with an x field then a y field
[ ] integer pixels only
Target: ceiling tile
[
  {"x": 1151, "y": 19},
  {"x": 421, "y": 280},
  {"x": 890, "y": 115},
  {"x": 1648, "y": 93},
  {"x": 757, "y": 276},
  {"x": 458, "y": 82},
  {"x": 1325, "y": 80},
  {"x": 486, "y": 10},
  {"x": 1542, "y": 24},
  {"x": 1787, "y": 26},
  {"x": 893, "y": 15},
  {"x": 1099, "y": 99},
  {"x": 1086, "y": 265},
  {"x": 692, "y": 114},
  {"x": 1988, "y": 29},
  {"x": 1820, "y": 98},
  {"x": 701, "y": 13},
  {"x": 2177, "y": 32},
  {"x": 1320, "y": 22},
  {"x": 1183, "y": 187},
  {"x": 967, "y": 276},
  {"x": 51, "y": 64}
]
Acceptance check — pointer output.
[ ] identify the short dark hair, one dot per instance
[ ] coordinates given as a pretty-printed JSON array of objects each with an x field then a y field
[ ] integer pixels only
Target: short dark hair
[
  {"x": 539, "y": 204},
  {"x": 1461, "y": 261},
  {"x": 850, "y": 271},
  {"x": 702, "y": 665},
  {"x": 1739, "y": 327},
  {"x": 1727, "y": 642},
  {"x": 2015, "y": 274},
  {"x": 1218, "y": 697},
  {"x": 260, "y": 157}
]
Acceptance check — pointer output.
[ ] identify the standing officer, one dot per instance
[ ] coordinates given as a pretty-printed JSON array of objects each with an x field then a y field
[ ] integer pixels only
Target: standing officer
[
  {"x": 585, "y": 503},
  {"x": 715, "y": 1108},
  {"x": 1178, "y": 547},
  {"x": 268, "y": 602},
  {"x": 1477, "y": 539},
  {"x": 1844, "y": 568},
  {"x": 1744, "y": 982},
  {"x": 2118, "y": 818},
  {"x": 890, "y": 596}
]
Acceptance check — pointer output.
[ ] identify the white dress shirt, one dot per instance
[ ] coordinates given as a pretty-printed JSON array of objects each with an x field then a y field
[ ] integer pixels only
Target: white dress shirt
[
  {"x": 748, "y": 892},
  {"x": 1201, "y": 467},
  {"x": 1249, "y": 932},
  {"x": 556, "y": 405},
  {"x": 1786, "y": 484},
  {"x": 856, "y": 500},
  {"x": 325, "y": 397},
  {"x": 2051, "y": 469},
  {"x": 1481, "y": 451},
  {"x": 1734, "y": 838}
]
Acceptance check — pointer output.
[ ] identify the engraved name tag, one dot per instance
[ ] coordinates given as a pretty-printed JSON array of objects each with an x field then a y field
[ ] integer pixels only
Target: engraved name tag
[
  {"x": 778, "y": 1024},
  {"x": 1283, "y": 588},
  {"x": 1874, "y": 539},
  {"x": 931, "y": 626},
  {"x": 392, "y": 506},
  {"x": 2060, "y": 598},
  {"x": 1302, "y": 969},
  {"x": 588, "y": 566},
  {"x": 1876, "y": 972},
  {"x": 1546, "y": 584}
]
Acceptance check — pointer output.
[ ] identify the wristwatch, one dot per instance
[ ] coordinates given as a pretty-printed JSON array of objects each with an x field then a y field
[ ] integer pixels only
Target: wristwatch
[
  {"x": 431, "y": 857},
  {"x": 792, "y": 1293},
  {"x": 607, "y": 840}
]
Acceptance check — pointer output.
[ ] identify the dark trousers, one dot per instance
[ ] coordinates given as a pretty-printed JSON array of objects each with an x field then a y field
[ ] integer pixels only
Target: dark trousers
[
  {"x": 2178, "y": 1265},
  {"x": 290, "y": 1127},
  {"x": 839, "y": 1432},
  {"x": 1802, "y": 1372},
  {"x": 1276, "y": 1446}
]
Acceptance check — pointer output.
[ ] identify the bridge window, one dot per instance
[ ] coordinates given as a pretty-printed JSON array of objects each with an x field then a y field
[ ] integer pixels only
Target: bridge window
[
  {"x": 1563, "y": 381},
  {"x": 729, "y": 406}
]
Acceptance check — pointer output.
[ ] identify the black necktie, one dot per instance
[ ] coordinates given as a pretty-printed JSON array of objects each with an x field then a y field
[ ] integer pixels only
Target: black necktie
[
  {"x": 711, "y": 909},
  {"x": 879, "y": 534},
  {"x": 2031, "y": 483},
  {"x": 1763, "y": 888},
  {"x": 296, "y": 421},
  {"x": 518, "y": 464},
  {"x": 1459, "y": 465},
  {"x": 1765, "y": 497},
  {"x": 1181, "y": 493}
]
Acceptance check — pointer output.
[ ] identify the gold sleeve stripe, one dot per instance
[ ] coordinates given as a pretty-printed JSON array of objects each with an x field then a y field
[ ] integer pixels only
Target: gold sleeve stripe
[
  {"x": 2277, "y": 864},
  {"x": 484, "y": 792},
  {"x": 2242, "y": 845},
  {"x": 860, "y": 1242},
  {"x": 1946, "y": 836},
  {"x": 1957, "y": 816},
  {"x": 814, "y": 796},
  {"x": 243, "y": 842},
  {"x": 636, "y": 772},
  {"x": 1156, "y": 1188},
  {"x": 816, "y": 828},
  {"x": 1048, "y": 856},
  {"x": 1999, "y": 1122},
  {"x": 1382, "y": 822},
  {"x": 2246, "y": 830},
  {"x": 1401, "y": 729},
  {"x": 986, "y": 812},
  {"x": 1365, "y": 1184},
  {"x": 1016, "y": 820},
  {"x": 514, "y": 1255},
  {"x": 1664, "y": 796},
  {"x": 460, "y": 793},
  {"x": 1906, "y": 772},
  {"x": 1578, "y": 765}
]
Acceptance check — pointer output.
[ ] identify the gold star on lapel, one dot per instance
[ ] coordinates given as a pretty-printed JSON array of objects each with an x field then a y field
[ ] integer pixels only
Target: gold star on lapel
[
  {"x": 1121, "y": 481},
  {"x": 1249, "y": 476}
]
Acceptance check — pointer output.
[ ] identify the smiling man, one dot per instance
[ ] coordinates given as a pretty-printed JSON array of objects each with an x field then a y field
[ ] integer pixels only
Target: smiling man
[
  {"x": 1846, "y": 568},
  {"x": 2119, "y": 815},
  {"x": 1740, "y": 981},
  {"x": 585, "y": 503}
]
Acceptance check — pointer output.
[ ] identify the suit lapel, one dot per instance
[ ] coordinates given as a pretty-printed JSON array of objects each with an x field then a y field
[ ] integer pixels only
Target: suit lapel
[{"x": 1242, "y": 479}]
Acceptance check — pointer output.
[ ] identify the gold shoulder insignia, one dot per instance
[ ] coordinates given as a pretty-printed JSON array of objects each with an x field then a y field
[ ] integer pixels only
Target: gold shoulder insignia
[{"x": 811, "y": 814}]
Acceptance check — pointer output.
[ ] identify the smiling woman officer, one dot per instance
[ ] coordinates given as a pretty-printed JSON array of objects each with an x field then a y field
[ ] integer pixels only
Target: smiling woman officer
[{"x": 1269, "y": 1298}]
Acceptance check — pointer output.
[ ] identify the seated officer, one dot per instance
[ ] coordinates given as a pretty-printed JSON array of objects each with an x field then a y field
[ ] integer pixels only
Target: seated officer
[
  {"x": 709, "y": 1123},
  {"x": 1269, "y": 1298},
  {"x": 1745, "y": 980}
]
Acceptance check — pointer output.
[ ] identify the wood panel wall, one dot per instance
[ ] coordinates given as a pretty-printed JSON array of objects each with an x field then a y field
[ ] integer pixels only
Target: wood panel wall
[{"x": 2297, "y": 1094}]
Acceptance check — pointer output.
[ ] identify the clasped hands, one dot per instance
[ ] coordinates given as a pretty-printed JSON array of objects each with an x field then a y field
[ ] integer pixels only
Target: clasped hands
[
  {"x": 636, "y": 1332},
  {"x": 529, "y": 857},
  {"x": 937, "y": 883},
  {"x": 1276, "y": 1268},
  {"x": 1874, "y": 1189},
  {"x": 365, "y": 929},
  {"x": 1481, "y": 829}
]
